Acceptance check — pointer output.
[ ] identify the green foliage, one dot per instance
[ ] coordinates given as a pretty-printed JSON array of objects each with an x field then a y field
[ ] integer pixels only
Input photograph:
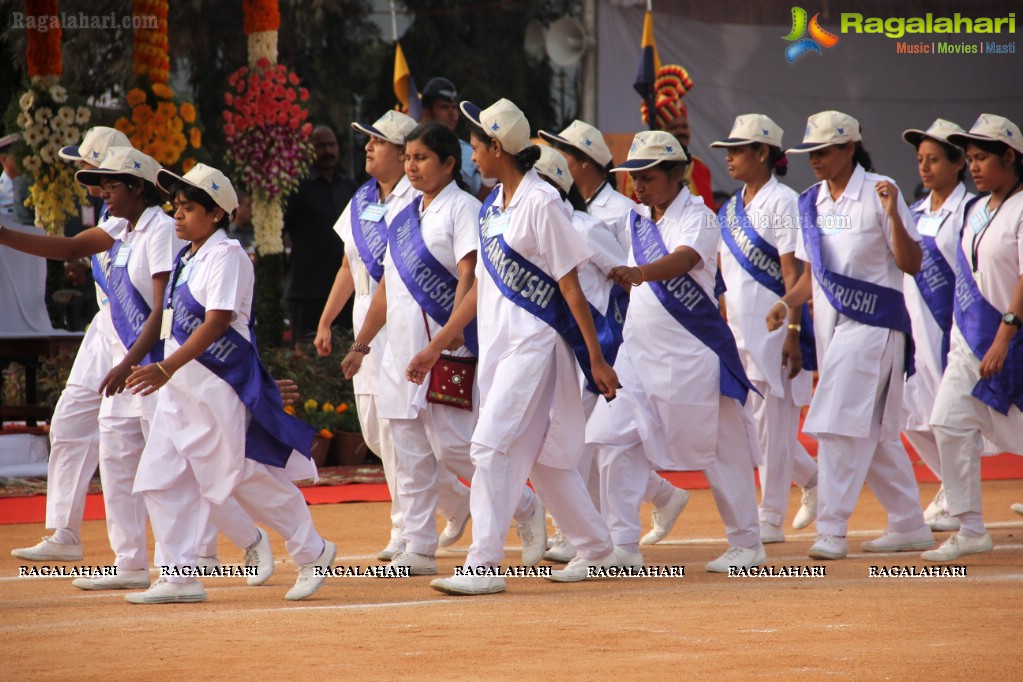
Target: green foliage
[{"x": 267, "y": 301}]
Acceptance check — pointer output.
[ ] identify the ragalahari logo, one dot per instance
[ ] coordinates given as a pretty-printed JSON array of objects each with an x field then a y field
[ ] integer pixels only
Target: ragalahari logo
[{"x": 818, "y": 38}]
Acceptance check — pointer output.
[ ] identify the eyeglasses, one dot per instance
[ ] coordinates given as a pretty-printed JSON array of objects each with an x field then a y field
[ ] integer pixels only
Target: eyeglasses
[{"x": 107, "y": 189}]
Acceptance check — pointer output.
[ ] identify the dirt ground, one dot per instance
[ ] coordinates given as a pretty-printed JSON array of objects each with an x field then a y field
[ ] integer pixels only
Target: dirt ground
[{"x": 843, "y": 625}]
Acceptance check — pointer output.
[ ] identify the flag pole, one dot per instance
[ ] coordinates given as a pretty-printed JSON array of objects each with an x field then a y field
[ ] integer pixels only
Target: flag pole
[{"x": 394, "y": 21}]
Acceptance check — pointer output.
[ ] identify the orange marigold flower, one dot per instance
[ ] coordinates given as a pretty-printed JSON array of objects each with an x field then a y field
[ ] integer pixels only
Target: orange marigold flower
[
  {"x": 195, "y": 138},
  {"x": 325, "y": 433},
  {"x": 188, "y": 112},
  {"x": 287, "y": 408},
  {"x": 135, "y": 96}
]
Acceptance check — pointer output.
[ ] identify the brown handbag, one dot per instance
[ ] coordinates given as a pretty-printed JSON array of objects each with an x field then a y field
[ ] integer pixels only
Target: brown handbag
[{"x": 451, "y": 379}]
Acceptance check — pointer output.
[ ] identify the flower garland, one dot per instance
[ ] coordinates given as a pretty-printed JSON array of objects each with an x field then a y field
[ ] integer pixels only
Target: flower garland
[
  {"x": 160, "y": 124},
  {"x": 262, "y": 19},
  {"x": 48, "y": 121}
]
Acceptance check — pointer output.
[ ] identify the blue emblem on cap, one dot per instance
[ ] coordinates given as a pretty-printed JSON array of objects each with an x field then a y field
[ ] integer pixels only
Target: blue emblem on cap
[
  {"x": 1008, "y": 133},
  {"x": 138, "y": 165},
  {"x": 213, "y": 186},
  {"x": 668, "y": 148},
  {"x": 559, "y": 172},
  {"x": 95, "y": 154},
  {"x": 495, "y": 127},
  {"x": 588, "y": 142},
  {"x": 808, "y": 127},
  {"x": 841, "y": 131},
  {"x": 764, "y": 132}
]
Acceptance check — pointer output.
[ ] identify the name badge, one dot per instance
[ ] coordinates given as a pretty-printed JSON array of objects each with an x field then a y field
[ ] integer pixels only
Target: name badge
[
  {"x": 88, "y": 215},
  {"x": 979, "y": 220},
  {"x": 373, "y": 213},
  {"x": 183, "y": 275},
  {"x": 498, "y": 224},
  {"x": 928, "y": 225},
  {"x": 166, "y": 322},
  {"x": 122, "y": 256}
]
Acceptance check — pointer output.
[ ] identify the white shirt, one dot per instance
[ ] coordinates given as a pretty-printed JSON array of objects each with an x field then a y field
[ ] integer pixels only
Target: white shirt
[
  {"x": 449, "y": 230},
  {"x": 365, "y": 382},
  {"x": 999, "y": 250},
  {"x": 774, "y": 215},
  {"x": 922, "y": 387},
  {"x": 849, "y": 378},
  {"x": 515, "y": 346},
  {"x": 607, "y": 253},
  {"x": 613, "y": 208}
]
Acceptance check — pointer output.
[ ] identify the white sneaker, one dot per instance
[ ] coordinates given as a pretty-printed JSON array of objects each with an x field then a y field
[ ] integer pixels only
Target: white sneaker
[
  {"x": 533, "y": 534},
  {"x": 124, "y": 580},
  {"x": 559, "y": 550},
  {"x": 1017, "y": 507},
  {"x": 936, "y": 506},
  {"x": 740, "y": 557},
  {"x": 626, "y": 559},
  {"x": 663, "y": 518},
  {"x": 771, "y": 533},
  {"x": 918, "y": 539},
  {"x": 943, "y": 521},
  {"x": 49, "y": 550},
  {"x": 469, "y": 584},
  {"x": 455, "y": 527},
  {"x": 829, "y": 547},
  {"x": 308, "y": 581},
  {"x": 579, "y": 568},
  {"x": 418, "y": 564},
  {"x": 163, "y": 592},
  {"x": 959, "y": 545},
  {"x": 393, "y": 547},
  {"x": 807, "y": 513},
  {"x": 260, "y": 556}
]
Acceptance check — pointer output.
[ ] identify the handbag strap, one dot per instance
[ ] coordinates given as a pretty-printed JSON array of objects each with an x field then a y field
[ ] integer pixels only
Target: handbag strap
[{"x": 428, "y": 337}]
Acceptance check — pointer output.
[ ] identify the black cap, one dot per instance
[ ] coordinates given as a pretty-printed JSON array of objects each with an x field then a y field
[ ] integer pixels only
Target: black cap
[{"x": 440, "y": 88}]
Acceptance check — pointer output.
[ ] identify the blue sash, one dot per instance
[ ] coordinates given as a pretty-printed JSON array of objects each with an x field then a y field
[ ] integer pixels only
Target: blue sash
[
  {"x": 762, "y": 262},
  {"x": 370, "y": 237},
  {"x": 617, "y": 308},
  {"x": 686, "y": 301},
  {"x": 272, "y": 433},
  {"x": 936, "y": 282},
  {"x": 128, "y": 309},
  {"x": 867, "y": 303},
  {"x": 536, "y": 292},
  {"x": 429, "y": 282},
  {"x": 978, "y": 320}
]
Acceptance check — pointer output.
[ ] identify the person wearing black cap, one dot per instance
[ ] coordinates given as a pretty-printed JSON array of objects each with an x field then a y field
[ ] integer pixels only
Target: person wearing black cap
[{"x": 440, "y": 103}]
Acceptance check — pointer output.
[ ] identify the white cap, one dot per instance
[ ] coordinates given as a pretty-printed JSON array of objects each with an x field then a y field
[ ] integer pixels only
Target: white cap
[
  {"x": 991, "y": 128},
  {"x": 502, "y": 121},
  {"x": 95, "y": 144},
  {"x": 650, "y": 148},
  {"x": 750, "y": 128},
  {"x": 583, "y": 137},
  {"x": 121, "y": 161},
  {"x": 939, "y": 130},
  {"x": 391, "y": 127},
  {"x": 206, "y": 178},
  {"x": 828, "y": 128},
  {"x": 552, "y": 165},
  {"x": 9, "y": 140}
]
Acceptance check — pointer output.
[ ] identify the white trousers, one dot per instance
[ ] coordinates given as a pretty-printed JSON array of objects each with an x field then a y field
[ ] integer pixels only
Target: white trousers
[
  {"x": 181, "y": 516},
  {"x": 785, "y": 458},
  {"x": 846, "y": 462},
  {"x": 74, "y": 456},
  {"x": 432, "y": 451},
  {"x": 377, "y": 434},
  {"x": 497, "y": 483},
  {"x": 625, "y": 476},
  {"x": 926, "y": 445},
  {"x": 121, "y": 442}
]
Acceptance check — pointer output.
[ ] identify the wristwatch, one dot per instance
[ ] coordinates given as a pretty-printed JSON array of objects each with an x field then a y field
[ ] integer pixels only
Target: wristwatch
[{"x": 1012, "y": 319}]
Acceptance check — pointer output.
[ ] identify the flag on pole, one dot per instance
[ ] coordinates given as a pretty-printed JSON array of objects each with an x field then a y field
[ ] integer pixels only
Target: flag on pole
[
  {"x": 649, "y": 65},
  {"x": 404, "y": 86}
]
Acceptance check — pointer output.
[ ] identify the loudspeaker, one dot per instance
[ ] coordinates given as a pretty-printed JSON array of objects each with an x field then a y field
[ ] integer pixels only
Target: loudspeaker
[{"x": 567, "y": 41}]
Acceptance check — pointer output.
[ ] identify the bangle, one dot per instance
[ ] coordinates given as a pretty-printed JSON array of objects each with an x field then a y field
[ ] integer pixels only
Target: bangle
[
  {"x": 793, "y": 327},
  {"x": 782, "y": 301},
  {"x": 359, "y": 348},
  {"x": 642, "y": 275},
  {"x": 160, "y": 367}
]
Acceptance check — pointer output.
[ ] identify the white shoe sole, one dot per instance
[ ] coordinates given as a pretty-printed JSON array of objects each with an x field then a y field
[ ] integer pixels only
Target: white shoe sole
[
  {"x": 442, "y": 585},
  {"x": 904, "y": 547},
  {"x": 446, "y": 539},
  {"x": 92, "y": 584},
  {"x": 27, "y": 555},
  {"x": 171, "y": 599},
  {"x": 819, "y": 553}
]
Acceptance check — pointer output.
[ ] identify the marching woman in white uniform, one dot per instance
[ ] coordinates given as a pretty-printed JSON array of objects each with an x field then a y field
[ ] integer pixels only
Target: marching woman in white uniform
[
  {"x": 858, "y": 239},
  {"x": 138, "y": 251},
  {"x": 363, "y": 229},
  {"x": 220, "y": 435},
  {"x": 929, "y": 293},
  {"x": 683, "y": 401},
  {"x": 589, "y": 162},
  {"x": 528, "y": 299},
  {"x": 429, "y": 267},
  {"x": 981, "y": 394},
  {"x": 606, "y": 299},
  {"x": 758, "y": 263},
  {"x": 74, "y": 432}
]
